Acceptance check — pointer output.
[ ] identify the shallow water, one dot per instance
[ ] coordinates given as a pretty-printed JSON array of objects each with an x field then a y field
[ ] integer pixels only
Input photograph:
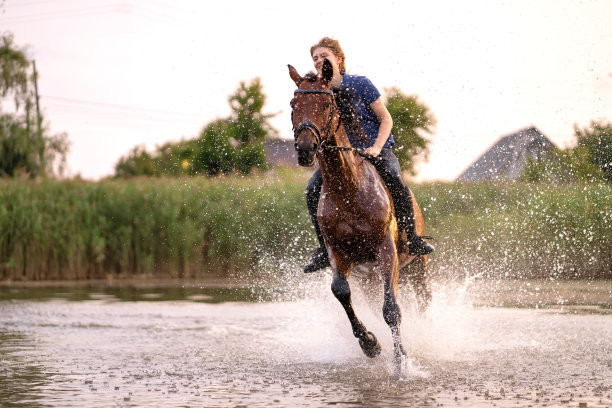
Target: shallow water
[{"x": 178, "y": 344}]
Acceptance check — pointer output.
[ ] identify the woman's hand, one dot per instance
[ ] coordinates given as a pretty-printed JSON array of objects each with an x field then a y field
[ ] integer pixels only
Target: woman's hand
[
  {"x": 386, "y": 123},
  {"x": 373, "y": 151}
]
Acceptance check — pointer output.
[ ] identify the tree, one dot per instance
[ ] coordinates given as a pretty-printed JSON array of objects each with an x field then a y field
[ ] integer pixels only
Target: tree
[
  {"x": 562, "y": 166},
  {"x": 249, "y": 123},
  {"x": 215, "y": 153},
  {"x": 410, "y": 119},
  {"x": 138, "y": 162},
  {"x": 14, "y": 77},
  {"x": 224, "y": 145},
  {"x": 597, "y": 141},
  {"x": 25, "y": 145},
  {"x": 249, "y": 127}
]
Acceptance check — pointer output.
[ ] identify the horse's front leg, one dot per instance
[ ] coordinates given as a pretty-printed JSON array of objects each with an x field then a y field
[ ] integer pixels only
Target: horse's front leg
[
  {"x": 342, "y": 291},
  {"x": 389, "y": 267}
]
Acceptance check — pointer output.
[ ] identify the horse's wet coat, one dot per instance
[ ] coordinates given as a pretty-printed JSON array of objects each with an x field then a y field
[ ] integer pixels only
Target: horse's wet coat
[{"x": 355, "y": 212}]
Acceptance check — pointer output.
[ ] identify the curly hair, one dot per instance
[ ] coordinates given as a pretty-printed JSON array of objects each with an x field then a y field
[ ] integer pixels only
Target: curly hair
[{"x": 334, "y": 47}]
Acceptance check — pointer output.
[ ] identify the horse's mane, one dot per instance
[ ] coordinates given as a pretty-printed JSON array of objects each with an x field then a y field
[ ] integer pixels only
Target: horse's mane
[
  {"x": 348, "y": 113},
  {"x": 346, "y": 108}
]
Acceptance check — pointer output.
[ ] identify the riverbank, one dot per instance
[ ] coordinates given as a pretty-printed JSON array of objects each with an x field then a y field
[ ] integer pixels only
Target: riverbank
[{"x": 241, "y": 226}]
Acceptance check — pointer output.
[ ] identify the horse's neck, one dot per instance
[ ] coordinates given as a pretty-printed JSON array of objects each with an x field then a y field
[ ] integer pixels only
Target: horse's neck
[{"x": 340, "y": 171}]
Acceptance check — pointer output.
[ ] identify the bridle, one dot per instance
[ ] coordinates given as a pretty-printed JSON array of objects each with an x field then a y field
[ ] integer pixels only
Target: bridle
[{"x": 321, "y": 142}]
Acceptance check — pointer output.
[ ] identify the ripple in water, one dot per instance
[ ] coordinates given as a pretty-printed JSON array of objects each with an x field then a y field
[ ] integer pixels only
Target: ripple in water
[{"x": 294, "y": 347}]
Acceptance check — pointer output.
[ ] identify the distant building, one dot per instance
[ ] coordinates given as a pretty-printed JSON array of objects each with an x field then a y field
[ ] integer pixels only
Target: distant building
[
  {"x": 507, "y": 158},
  {"x": 281, "y": 152}
]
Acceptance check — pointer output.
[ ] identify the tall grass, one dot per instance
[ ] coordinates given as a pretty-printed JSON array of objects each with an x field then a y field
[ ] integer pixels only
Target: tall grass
[
  {"x": 520, "y": 230},
  {"x": 215, "y": 227}
]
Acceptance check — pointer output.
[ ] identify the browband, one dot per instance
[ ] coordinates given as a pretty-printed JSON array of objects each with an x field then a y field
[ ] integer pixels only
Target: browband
[{"x": 313, "y": 91}]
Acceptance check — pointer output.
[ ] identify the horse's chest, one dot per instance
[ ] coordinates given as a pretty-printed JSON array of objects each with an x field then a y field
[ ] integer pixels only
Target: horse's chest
[{"x": 354, "y": 221}]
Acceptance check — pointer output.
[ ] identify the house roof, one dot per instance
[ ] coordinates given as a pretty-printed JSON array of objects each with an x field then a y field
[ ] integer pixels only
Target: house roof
[{"x": 506, "y": 159}]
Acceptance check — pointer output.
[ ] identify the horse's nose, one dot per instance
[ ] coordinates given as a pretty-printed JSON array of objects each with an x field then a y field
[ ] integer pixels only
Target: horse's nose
[
  {"x": 305, "y": 144},
  {"x": 306, "y": 150}
]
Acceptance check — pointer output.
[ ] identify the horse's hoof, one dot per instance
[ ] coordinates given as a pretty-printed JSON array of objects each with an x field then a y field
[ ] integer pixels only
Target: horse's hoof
[{"x": 370, "y": 345}]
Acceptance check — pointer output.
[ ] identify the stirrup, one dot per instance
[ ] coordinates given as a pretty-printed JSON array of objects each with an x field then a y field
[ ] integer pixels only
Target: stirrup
[{"x": 418, "y": 247}]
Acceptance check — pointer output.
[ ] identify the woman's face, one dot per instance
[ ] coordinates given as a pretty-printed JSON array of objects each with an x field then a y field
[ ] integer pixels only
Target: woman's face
[{"x": 320, "y": 54}]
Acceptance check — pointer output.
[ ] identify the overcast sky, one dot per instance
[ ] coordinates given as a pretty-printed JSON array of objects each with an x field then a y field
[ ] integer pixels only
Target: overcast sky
[{"x": 114, "y": 74}]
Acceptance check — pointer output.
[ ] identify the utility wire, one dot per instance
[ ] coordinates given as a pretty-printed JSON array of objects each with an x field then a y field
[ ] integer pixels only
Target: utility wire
[
  {"x": 151, "y": 11},
  {"x": 111, "y": 8},
  {"x": 116, "y": 106},
  {"x": 35, "y": 3}
]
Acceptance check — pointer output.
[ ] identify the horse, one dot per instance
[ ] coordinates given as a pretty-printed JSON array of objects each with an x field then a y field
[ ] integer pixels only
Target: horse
[{"x": 355, "y": 212}]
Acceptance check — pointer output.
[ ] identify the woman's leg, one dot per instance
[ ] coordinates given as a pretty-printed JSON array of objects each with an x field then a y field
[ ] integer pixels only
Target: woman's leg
[
  {"x": 389, "y": 169},
  {"x": 313, "y": 192}
]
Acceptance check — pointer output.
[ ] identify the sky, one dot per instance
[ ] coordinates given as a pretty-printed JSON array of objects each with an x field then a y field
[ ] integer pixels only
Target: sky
[{"x": 114, "y": 74}]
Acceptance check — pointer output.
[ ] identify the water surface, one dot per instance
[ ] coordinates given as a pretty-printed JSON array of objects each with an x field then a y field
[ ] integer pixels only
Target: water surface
[{"x": 190, "y": 344}]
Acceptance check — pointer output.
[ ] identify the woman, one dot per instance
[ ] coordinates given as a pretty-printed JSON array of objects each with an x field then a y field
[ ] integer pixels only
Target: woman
[{"x": 376, "y": 123}]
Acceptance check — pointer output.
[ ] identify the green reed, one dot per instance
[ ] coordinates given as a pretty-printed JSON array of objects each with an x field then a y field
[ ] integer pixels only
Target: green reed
[
  {"x": 201, "y": 227},
  {"x": 520, "y": 230}
]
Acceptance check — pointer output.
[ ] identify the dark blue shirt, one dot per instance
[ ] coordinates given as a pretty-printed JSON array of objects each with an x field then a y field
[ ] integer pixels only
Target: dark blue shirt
[{"x": 365, "y": 93}]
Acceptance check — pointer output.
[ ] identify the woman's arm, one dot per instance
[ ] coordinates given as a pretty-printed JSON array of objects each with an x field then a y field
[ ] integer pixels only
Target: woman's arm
[{"x": 386, "y": 123}]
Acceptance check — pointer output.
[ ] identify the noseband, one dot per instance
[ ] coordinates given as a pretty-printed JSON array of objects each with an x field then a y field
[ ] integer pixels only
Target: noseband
[{"x": 311, "y": 126}]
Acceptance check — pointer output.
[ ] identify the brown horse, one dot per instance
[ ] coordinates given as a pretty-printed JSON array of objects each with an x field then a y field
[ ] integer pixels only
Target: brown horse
[{"x": 355, "y": 212}]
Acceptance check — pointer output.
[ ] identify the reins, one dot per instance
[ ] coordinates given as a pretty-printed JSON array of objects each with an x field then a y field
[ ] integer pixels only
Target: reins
[{"x": 322, "y": 142}]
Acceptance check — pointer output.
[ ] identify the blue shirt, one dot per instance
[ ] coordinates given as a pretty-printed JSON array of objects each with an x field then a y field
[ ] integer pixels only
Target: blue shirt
[{"x": 365, "y": 93}]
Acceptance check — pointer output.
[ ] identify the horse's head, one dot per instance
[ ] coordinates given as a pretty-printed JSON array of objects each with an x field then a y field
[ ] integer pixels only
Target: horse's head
[{"x": 312, "y": 113}]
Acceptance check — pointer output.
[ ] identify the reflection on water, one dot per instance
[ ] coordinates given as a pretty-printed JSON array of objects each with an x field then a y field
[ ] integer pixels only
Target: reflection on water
[
  {"x": 20, "y": 371},
  {"x": 480, "y": 344},
  {"x": 163, "y": 291}
]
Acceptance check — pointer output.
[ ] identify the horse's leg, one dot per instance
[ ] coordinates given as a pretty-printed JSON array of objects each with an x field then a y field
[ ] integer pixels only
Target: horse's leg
[
  {"x": 389, "y": 267},
  {"x": 419, "y": 278},
  {"x": 342, "y": 291}
]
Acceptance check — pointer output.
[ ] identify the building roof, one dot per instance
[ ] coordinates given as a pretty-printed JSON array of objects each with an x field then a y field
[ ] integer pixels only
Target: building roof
[{"x": 506, "y": 159}]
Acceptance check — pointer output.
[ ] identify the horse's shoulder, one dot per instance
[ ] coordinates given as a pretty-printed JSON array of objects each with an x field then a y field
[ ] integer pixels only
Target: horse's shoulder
[{"x": 372, "y": 181}]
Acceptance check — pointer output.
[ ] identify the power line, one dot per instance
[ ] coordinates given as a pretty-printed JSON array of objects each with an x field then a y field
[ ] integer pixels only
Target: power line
[
  {"x": 119, "y": 107},
  {"x": 34, "y": 3},
  {"x": 28, "y": 18},
  {"x": 157, "y": 12}
]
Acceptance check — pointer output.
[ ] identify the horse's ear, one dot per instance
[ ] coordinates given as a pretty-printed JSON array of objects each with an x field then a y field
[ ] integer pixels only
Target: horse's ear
[
  {"x": 328, "y": 71},
  {"x": 294, "y": 75}
]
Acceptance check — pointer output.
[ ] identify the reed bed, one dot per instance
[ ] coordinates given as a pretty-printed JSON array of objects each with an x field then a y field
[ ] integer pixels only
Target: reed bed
[{"x": 198, "y": 227}]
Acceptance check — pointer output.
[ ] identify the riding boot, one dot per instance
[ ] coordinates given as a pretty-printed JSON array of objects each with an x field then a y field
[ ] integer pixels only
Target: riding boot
[
  {"x": 319, "y": 259},
  {"x": 404, "y": 212}
]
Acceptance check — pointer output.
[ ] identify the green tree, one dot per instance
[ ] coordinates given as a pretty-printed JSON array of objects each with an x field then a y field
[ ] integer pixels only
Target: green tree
[
  {"x": 562, "y": 166},
  {"x": 14, "y": 78},
  {"x": 411, "y": 118},
  {"x": 224, "y": 145},
  {"x": 25, "y": 144},
  {"x": 214, "y": 152},
  {"x": 596, "y": 139},
  {"x": 249, "y": 126},
  {"x": 138, "y": 162}
]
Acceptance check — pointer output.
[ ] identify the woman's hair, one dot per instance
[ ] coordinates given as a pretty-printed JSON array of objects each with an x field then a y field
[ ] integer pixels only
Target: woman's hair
[{"x": 334, "y": 47}]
